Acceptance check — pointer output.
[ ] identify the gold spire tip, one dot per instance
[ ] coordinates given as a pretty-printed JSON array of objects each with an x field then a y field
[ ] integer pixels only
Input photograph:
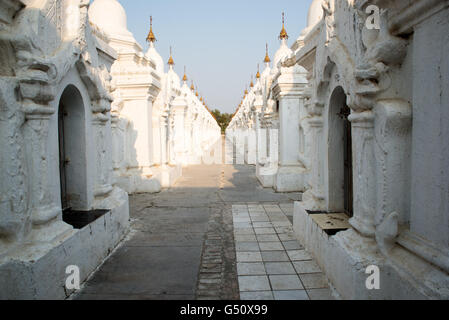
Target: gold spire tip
[
  {"x": 185, "y": 75},
  {"x": 283, "y": 35},
  {"x": 267, "y": 57},
  {"x": 151, "y": 37},
  {"x": 171, "y": 62}
]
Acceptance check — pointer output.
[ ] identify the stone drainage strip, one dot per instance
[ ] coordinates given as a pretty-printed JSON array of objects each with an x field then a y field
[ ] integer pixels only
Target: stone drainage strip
[{"x": 271, "y": 263}]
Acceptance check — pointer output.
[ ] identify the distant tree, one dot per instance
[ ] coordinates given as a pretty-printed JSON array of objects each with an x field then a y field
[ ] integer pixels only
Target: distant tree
[{"x": 223, "y": 119}]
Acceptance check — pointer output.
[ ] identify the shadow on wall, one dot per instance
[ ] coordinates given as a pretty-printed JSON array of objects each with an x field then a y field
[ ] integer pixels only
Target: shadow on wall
[{"x": 130, "y": 176}]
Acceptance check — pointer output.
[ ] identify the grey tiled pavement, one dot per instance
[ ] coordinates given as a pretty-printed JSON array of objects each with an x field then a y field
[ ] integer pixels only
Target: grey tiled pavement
[{"x": 271, "y": 263}]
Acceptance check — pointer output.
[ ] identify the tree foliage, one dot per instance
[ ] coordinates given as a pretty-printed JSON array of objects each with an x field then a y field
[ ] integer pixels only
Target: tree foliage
[{"x": 223, "y": 119}]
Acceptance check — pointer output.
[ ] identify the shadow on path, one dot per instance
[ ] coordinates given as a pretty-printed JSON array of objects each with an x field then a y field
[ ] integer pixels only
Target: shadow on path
[{"x": 180, "y": 234}]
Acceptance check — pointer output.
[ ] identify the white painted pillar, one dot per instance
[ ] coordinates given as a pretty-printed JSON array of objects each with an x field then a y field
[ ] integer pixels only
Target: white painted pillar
[
  {"x": 103, "y": 163},
  {"x": 364, "y": 168}
]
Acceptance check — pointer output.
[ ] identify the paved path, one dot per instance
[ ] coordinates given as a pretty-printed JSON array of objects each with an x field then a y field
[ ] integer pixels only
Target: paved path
[
  {"x": 182, "y": 242},
  {"x": 271, "y": 263}
]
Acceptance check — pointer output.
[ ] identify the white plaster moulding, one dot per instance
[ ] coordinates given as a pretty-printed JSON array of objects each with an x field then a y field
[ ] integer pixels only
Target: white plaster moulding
[
  {"x": 311, "y": 41},
  {"x": 424, "y": 249},
  {"x": 420, "y": 10}
]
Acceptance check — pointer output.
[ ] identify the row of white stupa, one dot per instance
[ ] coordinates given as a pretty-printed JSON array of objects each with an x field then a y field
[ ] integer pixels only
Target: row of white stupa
[
  {"x": 159, "y": 125},
  {"x": 264, "y": 136}
]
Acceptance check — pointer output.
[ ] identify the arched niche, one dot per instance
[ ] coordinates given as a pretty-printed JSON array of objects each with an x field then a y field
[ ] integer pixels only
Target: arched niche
[
  {"x": 340, "y": 179},
  {"x": 72, "y": 150}
]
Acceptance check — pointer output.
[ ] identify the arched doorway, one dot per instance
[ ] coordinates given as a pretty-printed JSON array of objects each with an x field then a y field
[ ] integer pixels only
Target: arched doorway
[
  {"x": 72, "y": 150},
  {"x": 340, "y": 155}
]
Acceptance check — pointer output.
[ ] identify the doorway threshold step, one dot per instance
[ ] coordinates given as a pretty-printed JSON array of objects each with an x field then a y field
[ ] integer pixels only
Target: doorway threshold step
[{"x": 332, "y": 221}]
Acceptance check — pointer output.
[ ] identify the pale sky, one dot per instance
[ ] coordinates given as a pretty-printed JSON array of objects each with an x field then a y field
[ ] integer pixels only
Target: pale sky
[{"x": 220, "y": 42}]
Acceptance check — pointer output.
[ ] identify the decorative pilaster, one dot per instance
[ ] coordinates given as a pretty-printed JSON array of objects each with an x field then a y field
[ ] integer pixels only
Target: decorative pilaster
[
  {"x": 393, "y": 153},
  {"x": 364, "y": 172},
  {"x": 43, "y": 205},
  {"x": 36, "y": 96},
  {"x": 103, "y": 182},
  {"x": 164, "y": 143},
  {"x": 314, "y": 198}
]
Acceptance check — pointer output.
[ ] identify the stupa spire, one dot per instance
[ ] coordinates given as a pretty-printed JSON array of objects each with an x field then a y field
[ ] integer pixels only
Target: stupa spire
[
  {"x": 267, "y": 57},
  {"x": 283, "y": 35},
  {"x": 185, "y": 75},
  {"x": 151, "y": 37},
  {"x": 171, "y": 62}
]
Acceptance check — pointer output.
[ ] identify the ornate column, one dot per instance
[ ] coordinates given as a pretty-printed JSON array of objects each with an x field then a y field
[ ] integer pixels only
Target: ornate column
[
  {"x": 288, "y": 89},
  {"x": 118, "y": 144},
  {"x": 364, "y": 168},
  {"x": 178, "y": 109},
  {"x": 44, "y": 210},
  {"x": 188, "y": 136},
  {"x": 103, "y": 163},
  {"x": 43, "y": 205},
  {"x": 393, "y": 128},
  {"x": 164, "y": 144},
  {"x": 314, "y": 199}
]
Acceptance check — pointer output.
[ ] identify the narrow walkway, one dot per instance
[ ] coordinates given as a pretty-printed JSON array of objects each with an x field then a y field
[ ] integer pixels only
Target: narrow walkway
[
  {"x": 271, "y": 263},
  {"x": 181, "y": 244}
]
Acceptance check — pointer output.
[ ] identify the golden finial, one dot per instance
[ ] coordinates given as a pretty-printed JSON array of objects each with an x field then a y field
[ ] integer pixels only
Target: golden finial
[
  {"x": 283, "y": 35},
  {"x": 151, "y": 37},
  {"x": 185, "y": 75},
  {"x": 171, "y": 62},
  {"x": 201, "y": 99},
  {"x": 251, "y": 84},
  {"x": 267, "y": 57},
  {"x": 192, "y": 87},
  {"x": 258, "y": 72},
  {"x": 197, "y": 94}
]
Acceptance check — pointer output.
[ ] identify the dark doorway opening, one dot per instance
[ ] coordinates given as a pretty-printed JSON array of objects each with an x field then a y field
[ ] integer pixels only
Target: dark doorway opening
[
  {"x": 348, "y": 174},
  {"x": 63, "y": 161},
  {"x": 340, "y": 174}
]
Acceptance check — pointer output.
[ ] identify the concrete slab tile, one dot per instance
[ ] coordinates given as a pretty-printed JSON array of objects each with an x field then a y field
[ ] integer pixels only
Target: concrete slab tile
[
  {"x": 250, "y": 269},
  {"x": 299, "y": 255},
  {"x": 275, "y": 256},
  {"x": 264, "y": 231},
  {"x": 257, "y": 295},
  {"x": 292, "y": 245},
  {"x": 260, "y": 219},
  {"x": 245, "y": 238},
  {"x": 254, "y": 283},
  {"x": 281, "y": 268},
  {"x": 291, "y": 295},
  {"x": 307, "y": 267},
  {"x": 270, "y": 246},
  {"x": 243, "y": 231},
  {"x": 320, "y": 294},
  {"x": 247, "y": 246},
  {"x": 242, "y": 225},
  {"x": 267, "y": 238},
  {"x": 284, "y": 229},
  {"x": 314, "y": 281},
  {"x": 286, "y": 236},
  {"x": 281, "y": 223},
  {"x": 249, "y": 257},
  {"x": 285, "y": 282},
  {"x": 262, "y": 225}
]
